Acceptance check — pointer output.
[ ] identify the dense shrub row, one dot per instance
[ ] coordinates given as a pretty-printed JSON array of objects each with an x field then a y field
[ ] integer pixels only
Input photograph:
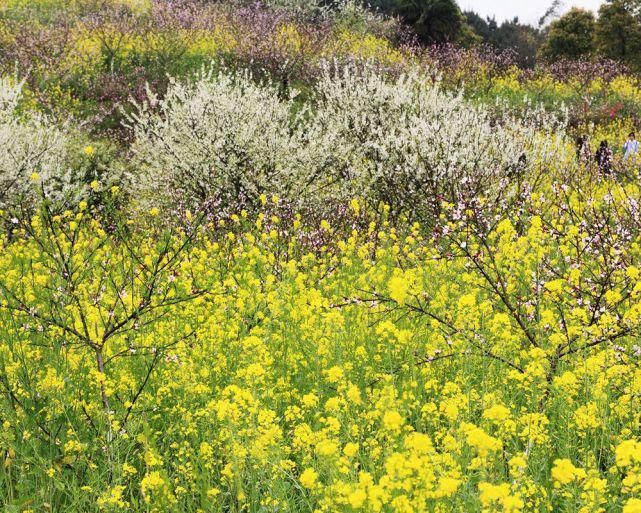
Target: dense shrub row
[
  {"x": 88, "y": 58},
  {"x": 225, "y": 138}
]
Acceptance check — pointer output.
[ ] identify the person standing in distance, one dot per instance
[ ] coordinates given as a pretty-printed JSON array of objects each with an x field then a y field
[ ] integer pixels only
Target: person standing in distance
[
  {"x": 630, "y": 147},
  {"x": 603, "y": 157}
]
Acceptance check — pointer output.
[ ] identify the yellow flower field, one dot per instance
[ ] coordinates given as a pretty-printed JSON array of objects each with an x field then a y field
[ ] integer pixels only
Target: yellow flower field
[
  {"x": 268, "y": 364},
  {"x": 281, "y": 257}
]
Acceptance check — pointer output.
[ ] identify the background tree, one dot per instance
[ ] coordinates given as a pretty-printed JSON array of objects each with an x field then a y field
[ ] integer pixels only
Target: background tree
[
  {"x": 525, "y": 40},
  {"x": 485, "y": 27},
  {"x": 618, "y": 31},
  {"x": 550, "y": 14},
  {"x": 571, "y": 36},
  {"x": 433, "y": 21}
]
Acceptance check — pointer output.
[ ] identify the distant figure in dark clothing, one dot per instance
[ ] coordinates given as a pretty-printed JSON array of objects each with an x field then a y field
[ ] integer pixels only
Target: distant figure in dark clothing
[
  {"x": 517, "y": 170},
  {"x": 583, "y": 153},
  {"x": 603, "y": 157}
]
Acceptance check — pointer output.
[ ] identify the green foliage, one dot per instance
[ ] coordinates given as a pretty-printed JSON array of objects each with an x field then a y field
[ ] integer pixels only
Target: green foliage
[
  {"x": 523, "y": 39},
  {"x": 570, "y": 37},
  {"x": 434, "y": 21},
  {"x": 618, "y": 31}
]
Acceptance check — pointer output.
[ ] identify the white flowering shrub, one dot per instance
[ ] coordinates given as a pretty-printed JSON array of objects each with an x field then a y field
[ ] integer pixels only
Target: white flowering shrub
[
  {"x": 10, "y": 92},
  {"x": 32, "y": 153},
  {"x": 223, "y": 135},
  {"x": 408, "y": 143},
  {"x": 402, "y": 141}
]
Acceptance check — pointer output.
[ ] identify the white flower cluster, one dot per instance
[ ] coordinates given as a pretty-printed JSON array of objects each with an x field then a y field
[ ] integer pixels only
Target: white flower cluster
[
  {"x": 223, "y": 134},
  {"x": 403, "y": 141},
  {"x": 409, "y": 143},
  {"x": 31, "y": 150}
]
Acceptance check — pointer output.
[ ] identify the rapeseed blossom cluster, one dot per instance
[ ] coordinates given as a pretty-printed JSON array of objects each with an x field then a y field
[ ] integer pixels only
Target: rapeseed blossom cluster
[{"x": 215, "y": 366}]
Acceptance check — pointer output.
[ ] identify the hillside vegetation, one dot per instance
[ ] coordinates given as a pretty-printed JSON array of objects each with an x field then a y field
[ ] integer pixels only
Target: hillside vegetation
[{"x": 280, "y": 257}]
